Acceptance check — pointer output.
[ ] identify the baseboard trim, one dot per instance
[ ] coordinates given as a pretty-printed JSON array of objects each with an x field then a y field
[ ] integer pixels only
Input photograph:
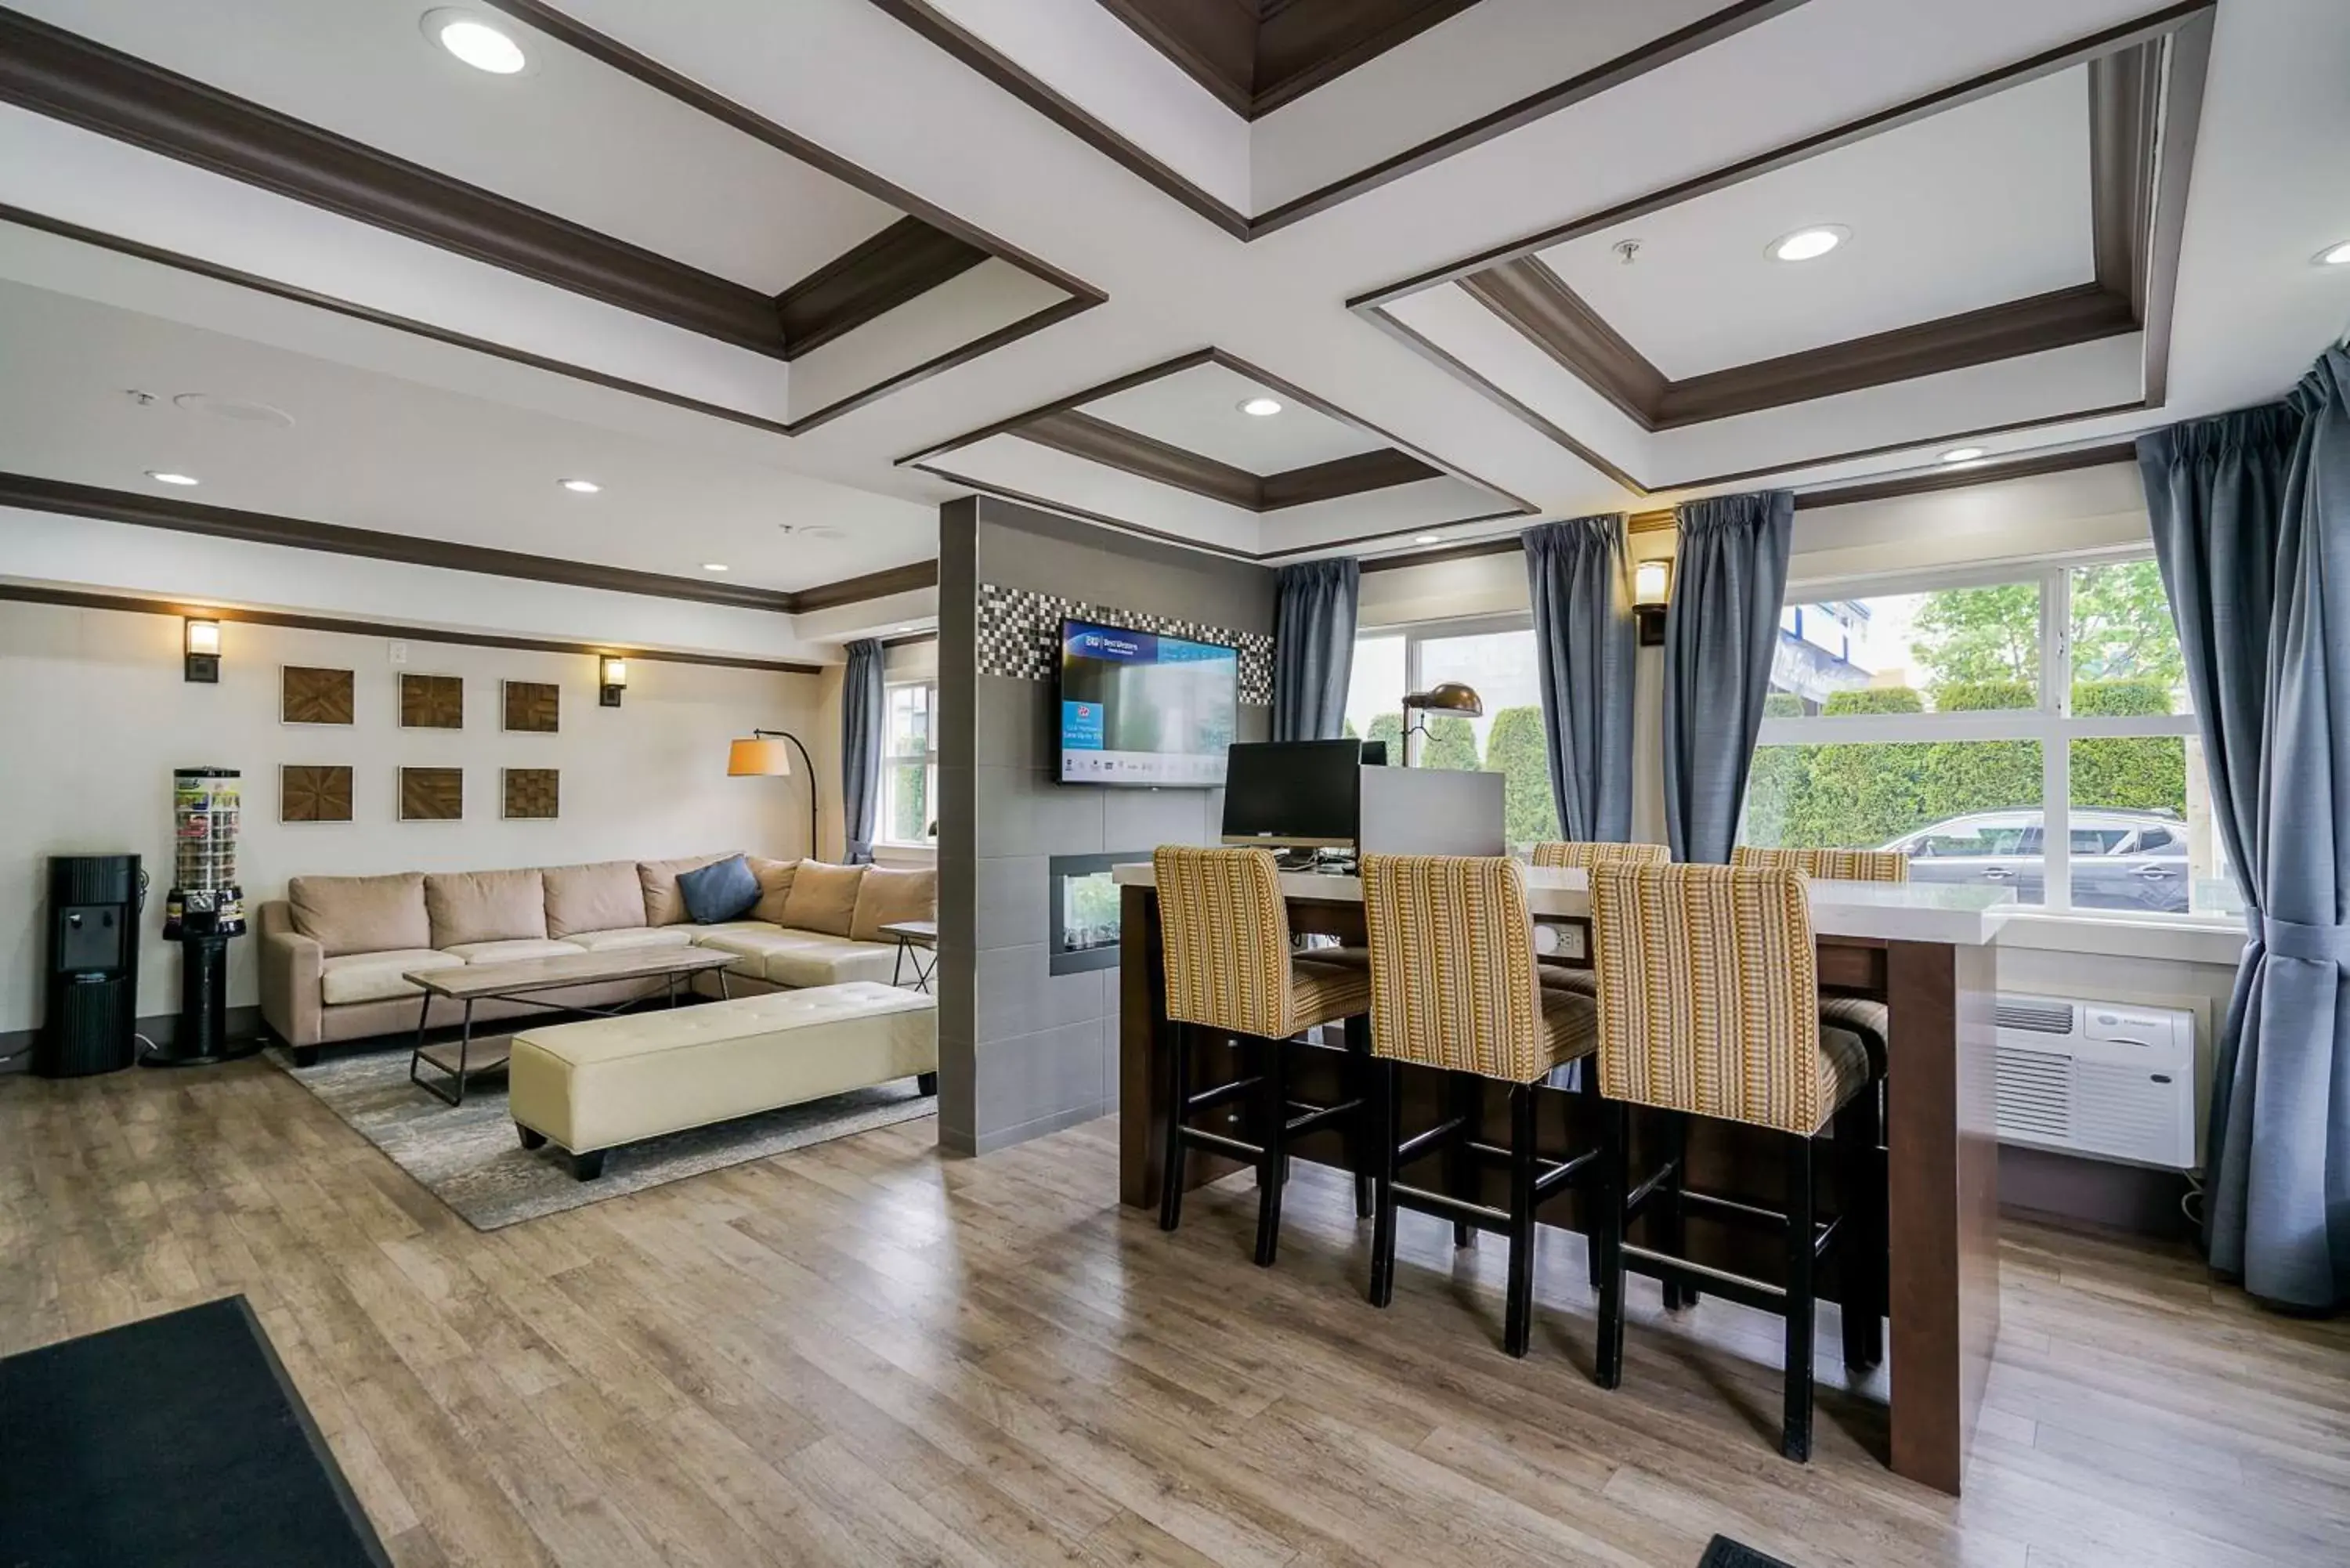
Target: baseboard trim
[
  {"x": 2044, "y": 1184},
  {"x": 955, "y": 1141}
]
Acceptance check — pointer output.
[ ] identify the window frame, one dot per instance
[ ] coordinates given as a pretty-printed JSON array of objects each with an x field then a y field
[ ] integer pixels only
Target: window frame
[
  {"x": 2052, "y": 722},
  {"x": 1417, "y": 634},
  {"x": 892, "y": 761}
]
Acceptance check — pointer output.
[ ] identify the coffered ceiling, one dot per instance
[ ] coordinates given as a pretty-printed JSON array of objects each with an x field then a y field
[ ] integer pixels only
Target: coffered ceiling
[{"x": 833, "y": 263}]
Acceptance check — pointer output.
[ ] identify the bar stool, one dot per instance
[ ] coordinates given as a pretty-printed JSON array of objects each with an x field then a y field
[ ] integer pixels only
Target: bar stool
[
  {"x": 1230, "y": 971},
  {"x": 1453, "y": 987},
  {"x": 1585, "y": 855},
  {"x": 1708, "y": 1005},
  {"x": 1868, "y": 1019}
]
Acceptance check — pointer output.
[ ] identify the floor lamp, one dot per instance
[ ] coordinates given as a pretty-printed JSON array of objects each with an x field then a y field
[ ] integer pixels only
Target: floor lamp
[
  {"x": 759, "y": 755},
  {"x": 1444, "y": 697}
]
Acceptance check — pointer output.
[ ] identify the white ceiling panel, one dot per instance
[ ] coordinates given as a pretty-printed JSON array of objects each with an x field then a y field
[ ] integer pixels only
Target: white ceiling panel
[
  {"x": 567, "y": 135},
  {"x": 1977, "y": 205},
  {"x": 1023, "y": 469},
  {"x": 1199, "y": 411}
]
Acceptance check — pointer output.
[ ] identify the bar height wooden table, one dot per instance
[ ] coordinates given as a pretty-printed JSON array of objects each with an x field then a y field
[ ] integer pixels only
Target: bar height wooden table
[{"x": 1927, "y": 951}]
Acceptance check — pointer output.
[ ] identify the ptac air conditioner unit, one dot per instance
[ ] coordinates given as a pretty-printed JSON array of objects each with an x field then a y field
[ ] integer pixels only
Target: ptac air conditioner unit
[{"x": 2096, "y": 1078}]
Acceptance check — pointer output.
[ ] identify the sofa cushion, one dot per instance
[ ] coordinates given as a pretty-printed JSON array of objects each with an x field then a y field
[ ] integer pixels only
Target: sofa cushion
[
  {"x": 822, "y": 898},
  {"x": 485, "y": 906},
  {"x": 657, "y": 881},
  {"x": 885, "y": 895},
  {"x": 631, "y": 937},
  {"x": 774, "y": 887},
  {"x": 722, "y": 890},
  {"x": 515, "y": 950},
  {"x": 361, "y": 914},
  {"x": 603, "y": 897},
  {"x": 377, "y": 976},
  {"x": 807, "y": 960}
]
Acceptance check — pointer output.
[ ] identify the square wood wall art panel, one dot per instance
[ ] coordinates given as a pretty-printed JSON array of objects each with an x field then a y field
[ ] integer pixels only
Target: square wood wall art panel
[
  {"x": 432, "y": 702},
  {"x": 533, "y": 707},
  {"x": 431, "y": 794},
  {"x": 316, "y": 696},
  {"x": 308, "y": 793},
  {"x": 534, "y": 794}
]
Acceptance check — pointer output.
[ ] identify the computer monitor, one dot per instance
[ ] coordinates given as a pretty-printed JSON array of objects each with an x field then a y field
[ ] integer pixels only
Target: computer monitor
[{"x": 1293, "y": 795}]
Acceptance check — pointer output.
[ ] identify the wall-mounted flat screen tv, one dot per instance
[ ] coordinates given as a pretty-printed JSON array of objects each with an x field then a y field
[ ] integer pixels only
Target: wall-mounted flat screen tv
[{"x": 1143, "y": 709}]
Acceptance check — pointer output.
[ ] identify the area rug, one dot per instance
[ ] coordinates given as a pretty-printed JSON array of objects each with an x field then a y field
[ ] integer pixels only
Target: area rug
[
  {"x": 1723, "y": 1552},
  {"x": 467, "y": 1155},
  {"x": 176, "y": 1442}
]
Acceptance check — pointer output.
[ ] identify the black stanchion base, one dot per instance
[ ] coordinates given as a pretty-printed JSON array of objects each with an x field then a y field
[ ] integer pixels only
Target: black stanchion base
[{"x": 234, "y": 1051}]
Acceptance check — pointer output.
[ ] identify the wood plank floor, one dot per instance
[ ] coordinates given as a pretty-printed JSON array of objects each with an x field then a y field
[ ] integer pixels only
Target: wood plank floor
[{"x": 862, "y": 1353}]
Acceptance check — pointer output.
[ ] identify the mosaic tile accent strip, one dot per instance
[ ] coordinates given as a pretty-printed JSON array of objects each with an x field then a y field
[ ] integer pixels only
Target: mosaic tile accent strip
[{"x": 1019, "y": 634}]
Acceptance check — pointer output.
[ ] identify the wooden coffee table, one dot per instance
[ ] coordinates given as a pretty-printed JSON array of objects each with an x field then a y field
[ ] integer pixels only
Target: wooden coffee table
[{"x": 464, "y": 1061}]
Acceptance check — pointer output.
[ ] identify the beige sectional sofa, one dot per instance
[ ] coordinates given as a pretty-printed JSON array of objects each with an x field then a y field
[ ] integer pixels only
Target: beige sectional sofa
[{"x": 335, "y": 950}]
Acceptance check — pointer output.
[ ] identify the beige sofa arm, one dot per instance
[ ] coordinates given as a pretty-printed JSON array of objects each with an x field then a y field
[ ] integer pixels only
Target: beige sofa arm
[{"x": 292, "y": 966}]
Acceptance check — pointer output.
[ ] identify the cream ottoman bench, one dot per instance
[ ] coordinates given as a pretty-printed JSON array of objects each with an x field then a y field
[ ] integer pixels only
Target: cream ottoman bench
[{"x": 592, "y": 1086}]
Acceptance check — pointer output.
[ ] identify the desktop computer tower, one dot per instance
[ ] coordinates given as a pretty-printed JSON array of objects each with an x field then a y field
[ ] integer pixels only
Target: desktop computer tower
[{"x": 90, "y": 1022}]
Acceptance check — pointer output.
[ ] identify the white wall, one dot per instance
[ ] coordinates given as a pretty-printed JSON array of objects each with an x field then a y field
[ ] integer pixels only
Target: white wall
[{"x": 96, "y": 716}]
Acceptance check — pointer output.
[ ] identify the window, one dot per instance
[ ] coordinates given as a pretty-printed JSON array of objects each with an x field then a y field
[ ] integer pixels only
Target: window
[
  {"x": 2030, "y": 731},
  {"x": 910, "y": 765},
  {"x": 1496, "y": 657}
]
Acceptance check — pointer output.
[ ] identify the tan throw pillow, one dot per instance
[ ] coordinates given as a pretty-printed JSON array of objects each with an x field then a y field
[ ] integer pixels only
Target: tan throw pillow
[
  {"x": 822, "y": 898},
  {"x": 885, "y": 897},
  {"x": 485, "y": 906},
  {"x": 604, "y": 897},
  {"x": 775, "y": 887},
  {"x": 664, "y": 905},
  {"x": 360, "y": 914}
]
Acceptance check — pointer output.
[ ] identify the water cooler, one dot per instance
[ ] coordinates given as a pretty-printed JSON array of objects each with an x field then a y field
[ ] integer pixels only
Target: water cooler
[
  {"x": 91, "y": 1019},
  {"x": 203, "y": 912}
]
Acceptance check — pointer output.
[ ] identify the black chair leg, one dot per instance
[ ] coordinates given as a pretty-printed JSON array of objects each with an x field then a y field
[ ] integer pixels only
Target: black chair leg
[
  {"x": 1586, "y": 1075},
  {"x": 1518, "y": 1331},
  {"x": 1170, "y": 1175},
  {"x": 1795, "y": 1424},
  {"x": 1387, "y": 1119},
  {"x": 1674, "y": 1218},
  {"x": 1607, "y": 1236},
  {"x": 1464, "y": 1097},
  {"x": 1860, "y": 1245},
  {"x": 1361, "y": 1132},
  {"x": 1273, "y": 1165}
]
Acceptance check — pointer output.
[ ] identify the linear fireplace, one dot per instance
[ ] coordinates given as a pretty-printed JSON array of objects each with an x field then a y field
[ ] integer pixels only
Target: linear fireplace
[{"x": 1082, "y": 921}]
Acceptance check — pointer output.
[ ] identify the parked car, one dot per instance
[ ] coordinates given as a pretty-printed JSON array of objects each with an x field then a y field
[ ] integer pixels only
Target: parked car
[{"x": 2121, "y": 860}]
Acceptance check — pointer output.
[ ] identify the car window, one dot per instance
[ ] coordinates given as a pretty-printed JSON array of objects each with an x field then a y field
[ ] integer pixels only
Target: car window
[
  {"x": 2098, "y": 840},
  {"x": 1969, "y": 840},
  {"x": 2154, "y": 839}
]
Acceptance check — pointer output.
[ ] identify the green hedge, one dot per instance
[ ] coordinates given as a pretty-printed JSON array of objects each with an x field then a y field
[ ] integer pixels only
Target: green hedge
[{"x": 1516, "y": 749}]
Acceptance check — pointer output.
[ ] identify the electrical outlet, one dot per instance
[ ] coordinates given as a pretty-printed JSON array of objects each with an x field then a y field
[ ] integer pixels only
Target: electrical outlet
[{"x": 396, "y": 651}]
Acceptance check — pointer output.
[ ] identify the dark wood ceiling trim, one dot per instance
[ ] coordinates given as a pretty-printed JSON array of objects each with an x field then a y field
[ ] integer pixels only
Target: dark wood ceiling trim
[
  {"x": 1934, "y": 442},
  {"x": 2189, "y": 50},
  {"x": 76, "y": 599},
  {"x": 976, "y": 53},
  {"x": 1356, "y": 474},
  {"x": 978, "y": 347},
  {"x": 1147, "y": 374},
  {"x": 1536, "y": 302},
  {"x": 1081, "y": 435},
  {"x": 1302, "y": 44},
  {"x": 1967, "y": 476},
  {"x": 1213, "y": 42},
  {"x": 870, "y": 279},
  {"x": 1062, "y": 508},
  {"x": 71, "y": 78},
  {"x": 183, "y": 516},
  {"x": 2124, "y": 120},
  {"x": 610, "y": 51},
  {"x": 911, "y": 577}
]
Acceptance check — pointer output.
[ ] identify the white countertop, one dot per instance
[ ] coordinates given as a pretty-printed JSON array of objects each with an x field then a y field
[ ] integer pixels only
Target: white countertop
[{"x": 1895, "y": 912}]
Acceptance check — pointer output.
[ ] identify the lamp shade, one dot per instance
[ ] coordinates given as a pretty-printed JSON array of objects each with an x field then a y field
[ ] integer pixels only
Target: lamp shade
[
  {"x": 754, "y": 757},
  {"x": 1448, "y": 697},
  {"x": 1652, "y": 583}
]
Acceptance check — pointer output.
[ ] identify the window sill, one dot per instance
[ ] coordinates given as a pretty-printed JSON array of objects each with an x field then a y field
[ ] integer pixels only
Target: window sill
[
  {"x": 2206, "y": 939},
  {"x": 905, "y": 855}
]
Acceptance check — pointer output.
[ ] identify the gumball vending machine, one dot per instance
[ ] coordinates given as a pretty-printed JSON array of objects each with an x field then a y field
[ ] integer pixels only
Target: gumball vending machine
[{"x": 203, "y": 912}]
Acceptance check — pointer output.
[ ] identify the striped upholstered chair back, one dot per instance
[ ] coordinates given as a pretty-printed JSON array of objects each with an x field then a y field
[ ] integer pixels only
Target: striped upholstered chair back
[
  {"x": 1452, "y": 965},
  {"x": 1225, "y": 932},
  {"x": 1828, "y": 865},
  {"x": 1578, "y": 855},
  {"x": 1709, "y": 995}
]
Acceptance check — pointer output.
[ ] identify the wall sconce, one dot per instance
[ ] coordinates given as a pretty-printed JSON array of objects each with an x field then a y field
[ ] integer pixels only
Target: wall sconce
[
  {"x": 613, "y": 672},
  {"x": 200, "y": 644},
  {"x": 1652, "y": 590}
]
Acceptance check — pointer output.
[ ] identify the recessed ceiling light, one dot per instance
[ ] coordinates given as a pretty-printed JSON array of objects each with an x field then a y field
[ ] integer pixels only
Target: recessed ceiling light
[
  {"x": 1809, "y": 244},
  {"x": 581, "y": 486},
  {"x": 2335, "y": 256},
  {"x": 910, "y": 626},
  {"x": 474, "y": 41},
  {"x": 713, "y": 566},
  {"x": 1260, "y": 407},
  {"x": 163, "y": 476},
  {"x": 1963, "y": 454},
  {"x": 1428, "y": 538}
]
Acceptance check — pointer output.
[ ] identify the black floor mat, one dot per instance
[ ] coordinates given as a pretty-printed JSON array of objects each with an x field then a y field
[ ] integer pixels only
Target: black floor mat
[
  {"x": 1723, "y": 1552},
  {"x": 178, "y": 1442}
]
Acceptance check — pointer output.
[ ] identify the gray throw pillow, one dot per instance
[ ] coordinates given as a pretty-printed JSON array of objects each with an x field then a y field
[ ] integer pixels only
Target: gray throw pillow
[{"x": 722, "y": 890}]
